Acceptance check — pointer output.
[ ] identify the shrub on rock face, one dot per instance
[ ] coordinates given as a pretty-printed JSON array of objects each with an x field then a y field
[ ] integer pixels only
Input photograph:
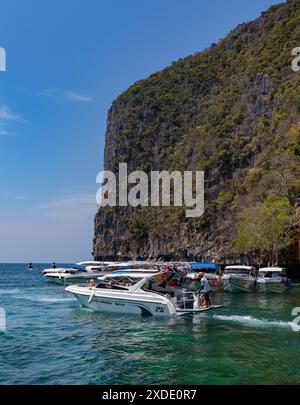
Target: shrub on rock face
[{"x": 267, "y": 228}]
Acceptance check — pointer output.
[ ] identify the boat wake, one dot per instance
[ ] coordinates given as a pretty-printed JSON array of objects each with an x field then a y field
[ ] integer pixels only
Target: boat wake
[
  {"x": 55, "y": 300},
  {"x": 254, "y": 322}
]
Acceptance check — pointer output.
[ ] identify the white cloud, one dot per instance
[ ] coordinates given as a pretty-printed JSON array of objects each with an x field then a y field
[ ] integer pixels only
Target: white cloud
[
  {"x": 6, "y": 118},
  {"x": 74, "y": 208},
  {"x": 6, "y": 194},
  {"x": 6, "y": 114},
  {"x": 73, "y": 96},
  {"x": 66, "y": 95},
  {"x": 4, "y": 132},
  {"x": 21, "y": 197}
]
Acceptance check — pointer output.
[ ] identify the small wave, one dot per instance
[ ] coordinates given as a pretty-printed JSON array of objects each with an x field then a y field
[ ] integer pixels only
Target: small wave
[
  {"x": 256, "y": 322},
  {"x": 45, "y": 299},
  {"x": 48, "y": 299},
  {"x": 9, "y": 291}
]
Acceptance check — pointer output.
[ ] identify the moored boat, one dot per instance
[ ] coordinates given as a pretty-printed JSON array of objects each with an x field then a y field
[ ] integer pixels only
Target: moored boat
[
  {"x": 212, "y": 274},
  {"x": 272, "y": 280},
  {"x": 54, "y": 270},
  {"x": 59, "y": 276},
  {"x": 95, "y": 273},
  {"x": 77, "y": 273},
  {"x": 82, "y": 277},
  {"x": 239, "y": 278},
  {"x": 87, "y": 265}
]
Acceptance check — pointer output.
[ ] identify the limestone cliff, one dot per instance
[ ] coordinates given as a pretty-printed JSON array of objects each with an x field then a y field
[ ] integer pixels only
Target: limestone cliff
[{"x": 232, "y": 110}]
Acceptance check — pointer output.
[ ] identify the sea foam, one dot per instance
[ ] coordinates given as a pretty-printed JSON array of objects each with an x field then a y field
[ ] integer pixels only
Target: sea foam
[{"x": 255, "y": 322}]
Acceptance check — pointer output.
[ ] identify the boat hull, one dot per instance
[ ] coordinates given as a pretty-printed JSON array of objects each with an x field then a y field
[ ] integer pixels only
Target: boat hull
[
  {"x": 270, "y": 286},
  {"x": 236, "y": 284},
  {"x": 123, "y": 303},
  {"x": 55, "y": 280}
]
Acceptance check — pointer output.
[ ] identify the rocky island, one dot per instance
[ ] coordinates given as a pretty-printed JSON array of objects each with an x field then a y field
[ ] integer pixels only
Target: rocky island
[{"x": 233, "y": 111}]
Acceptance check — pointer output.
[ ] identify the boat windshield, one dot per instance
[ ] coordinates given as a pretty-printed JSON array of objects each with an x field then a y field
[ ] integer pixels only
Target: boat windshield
[
  {"x": 271, "y": 274},
  {"x": 215, "y": 272},
  {"x": 120, "y": 283},
  {"x": 237, "y": 271}
]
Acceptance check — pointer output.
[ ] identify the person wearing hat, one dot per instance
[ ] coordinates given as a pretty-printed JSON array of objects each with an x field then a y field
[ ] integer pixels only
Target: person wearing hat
[{"x": 206, "y": 288}]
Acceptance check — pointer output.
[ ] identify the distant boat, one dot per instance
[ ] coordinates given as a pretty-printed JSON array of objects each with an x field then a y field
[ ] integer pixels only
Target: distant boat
[
  {"x": 83, "y": 277},
  {"x": 58, "y": 274},
  {"x": 133, "y": 265},
  {"x": 91, "y": 263},
  {"x": 273, "y": 280},
  {"x": 80, "y": 265},
  {"x": 30, "y": 266},
  {"x": 94, "y": 273},
  {"x": 82, "y": 272},
  {"x": 239, "y": 278},
  {"x": 74, "y": 274}
]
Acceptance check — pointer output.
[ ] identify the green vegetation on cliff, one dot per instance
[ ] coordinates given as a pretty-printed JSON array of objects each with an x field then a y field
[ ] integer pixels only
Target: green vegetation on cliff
[
  {"x": 233, "y": 111},
  {"x": 266, "y": 228}
]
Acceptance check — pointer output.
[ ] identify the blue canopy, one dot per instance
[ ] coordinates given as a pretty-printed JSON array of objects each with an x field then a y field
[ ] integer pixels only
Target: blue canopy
[
  {"x": 122, "y": 271},
  {"x": 77, "y": 267},
  {"x": 204, "y": 266}
]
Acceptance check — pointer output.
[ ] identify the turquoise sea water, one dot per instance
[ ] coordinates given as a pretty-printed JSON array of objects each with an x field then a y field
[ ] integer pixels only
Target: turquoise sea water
[{"x": 51, "y": 340}]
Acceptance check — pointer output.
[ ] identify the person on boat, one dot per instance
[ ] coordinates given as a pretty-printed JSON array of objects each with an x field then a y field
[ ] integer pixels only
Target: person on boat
[
  {"x": 91, "y": 283},
  {"x": 53, "y": 265},
  {"x": 206, "y": 289}
]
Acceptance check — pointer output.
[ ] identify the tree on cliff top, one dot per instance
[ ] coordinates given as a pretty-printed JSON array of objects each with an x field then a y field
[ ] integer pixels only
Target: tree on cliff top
[{"x": 267, "y": 228}]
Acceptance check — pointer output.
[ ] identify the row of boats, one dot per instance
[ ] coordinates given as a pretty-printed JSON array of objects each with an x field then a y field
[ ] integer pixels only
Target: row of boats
[
  {"x": 240, "y": 278},
  {"x": 237, "y": 278},
  {"x": 159, "y": 289}
]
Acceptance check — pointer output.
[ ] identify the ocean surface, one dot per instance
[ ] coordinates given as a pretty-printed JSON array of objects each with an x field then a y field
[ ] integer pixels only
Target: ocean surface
[{"x": 49, "y": 339}]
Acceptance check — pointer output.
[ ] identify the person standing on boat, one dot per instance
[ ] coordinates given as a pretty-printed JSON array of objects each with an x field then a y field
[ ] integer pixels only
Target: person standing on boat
[
  {"x": 53, "y": 265},
  {"x": 206, "y": 288}
]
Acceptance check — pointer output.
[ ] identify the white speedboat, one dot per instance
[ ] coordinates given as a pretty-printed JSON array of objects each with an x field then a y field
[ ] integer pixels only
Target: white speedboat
[
  {"x": 91, "y": 263},
  {"x": 272, "y": 279},
  {"x": 54, "y": 270},
  {"x": 93, "y": 273},
  {"x": 132, "y": 265},
  {"x": 81, "y": 265},
  {"x": 82, "y": 277},
  {"x": 239, "y": 278},
  {"x": 59, "y": 277},
  {"x": 137, "y": 293},
  {"x": 82, "y": 273},
  {"x": 78, "y": 273}
]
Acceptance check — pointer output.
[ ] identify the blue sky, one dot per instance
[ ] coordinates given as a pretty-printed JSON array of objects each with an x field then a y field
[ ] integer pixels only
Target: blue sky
[{"x": 66, "y": 62}]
